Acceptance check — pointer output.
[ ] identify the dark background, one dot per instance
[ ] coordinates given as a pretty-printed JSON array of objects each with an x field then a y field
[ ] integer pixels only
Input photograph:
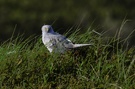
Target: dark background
[{"x": 28, "y": 16}]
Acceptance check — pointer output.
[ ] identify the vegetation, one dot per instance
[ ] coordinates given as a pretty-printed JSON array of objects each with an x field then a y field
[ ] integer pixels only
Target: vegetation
[
  {"x": 29, "y": 15},
  {"x": 107, "y": 64}
]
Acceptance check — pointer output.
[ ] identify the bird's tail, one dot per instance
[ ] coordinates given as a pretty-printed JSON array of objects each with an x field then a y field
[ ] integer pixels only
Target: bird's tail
[{"x": 80, "y": 45}]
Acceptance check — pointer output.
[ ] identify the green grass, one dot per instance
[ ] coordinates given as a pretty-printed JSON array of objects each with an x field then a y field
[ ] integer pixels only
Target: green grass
[{"x": 27, "y": 64}]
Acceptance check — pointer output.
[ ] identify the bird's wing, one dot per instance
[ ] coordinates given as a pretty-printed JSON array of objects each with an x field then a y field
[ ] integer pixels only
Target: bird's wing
[
  {"x": 66, "y": 43},
  {"x": 62, "y": 41}
]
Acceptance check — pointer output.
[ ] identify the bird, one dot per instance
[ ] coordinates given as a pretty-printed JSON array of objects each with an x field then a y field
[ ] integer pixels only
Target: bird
[{"x": 56, "y": 42}]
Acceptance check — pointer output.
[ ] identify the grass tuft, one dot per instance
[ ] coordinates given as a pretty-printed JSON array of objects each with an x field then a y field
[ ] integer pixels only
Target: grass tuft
[{"x": 28, "y": 64}]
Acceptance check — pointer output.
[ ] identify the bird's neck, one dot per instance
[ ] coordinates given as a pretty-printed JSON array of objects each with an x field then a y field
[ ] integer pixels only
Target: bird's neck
[{"x": 44, "y": 33}]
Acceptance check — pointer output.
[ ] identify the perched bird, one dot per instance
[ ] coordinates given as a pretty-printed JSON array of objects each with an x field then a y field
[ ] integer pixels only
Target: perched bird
[{"x": 57, "y": 42}]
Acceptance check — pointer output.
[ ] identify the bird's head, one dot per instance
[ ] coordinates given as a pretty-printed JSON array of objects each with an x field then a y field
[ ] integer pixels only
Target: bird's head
[{"x": 47, "y": 29}]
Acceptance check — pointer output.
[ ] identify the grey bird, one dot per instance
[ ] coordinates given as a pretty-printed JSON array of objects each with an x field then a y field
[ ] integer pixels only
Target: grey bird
[{"x": 56, "y": 42}]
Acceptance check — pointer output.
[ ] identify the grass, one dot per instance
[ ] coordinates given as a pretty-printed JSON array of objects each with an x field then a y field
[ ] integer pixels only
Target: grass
[{"x": 27, "y": 64}]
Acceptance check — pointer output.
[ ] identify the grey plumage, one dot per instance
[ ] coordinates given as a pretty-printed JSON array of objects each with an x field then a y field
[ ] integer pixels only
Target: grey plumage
[{"x": 57, "y": 42}]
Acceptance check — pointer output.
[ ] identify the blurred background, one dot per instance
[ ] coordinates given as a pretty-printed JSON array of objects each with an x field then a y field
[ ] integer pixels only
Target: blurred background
[{"x": 27, "y": 16}]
